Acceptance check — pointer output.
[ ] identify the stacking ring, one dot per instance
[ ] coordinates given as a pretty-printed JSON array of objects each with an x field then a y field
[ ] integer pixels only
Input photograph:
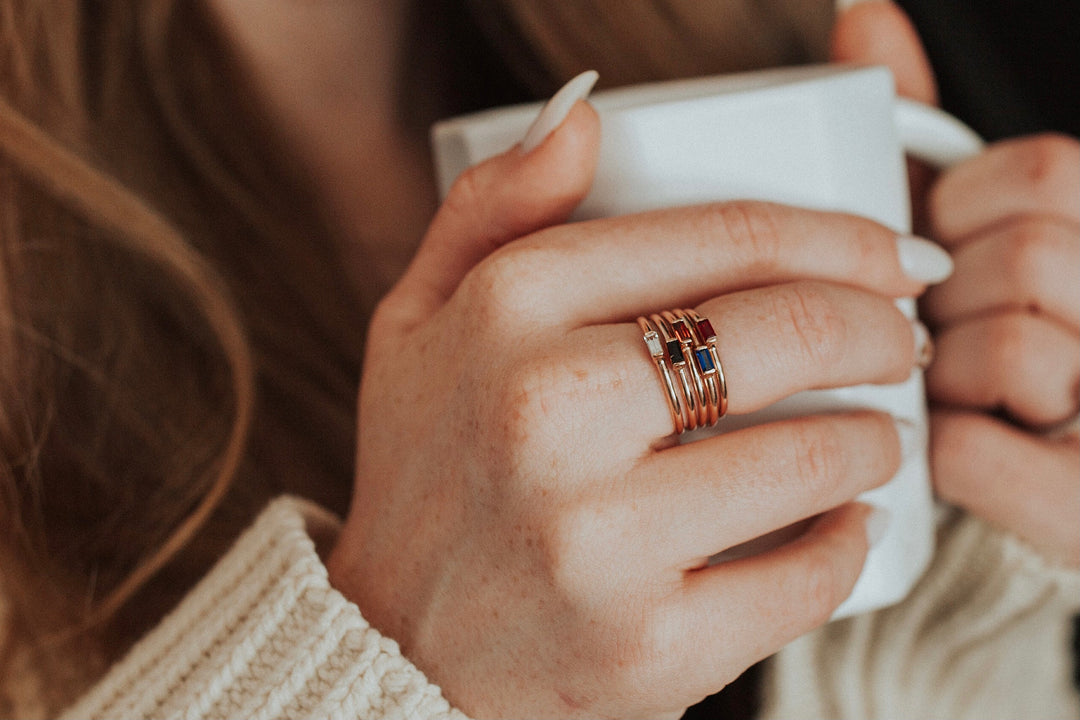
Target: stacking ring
[
  {"x": 709, "y": 359},
  {"x": 680, "y": 361},
  {"x": 682, "y": 345},
  {"x": 660, "y": 359}
]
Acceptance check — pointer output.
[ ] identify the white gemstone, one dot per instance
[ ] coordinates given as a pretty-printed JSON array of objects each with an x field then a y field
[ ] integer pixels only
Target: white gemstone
[{"x": 652, "y": 341}]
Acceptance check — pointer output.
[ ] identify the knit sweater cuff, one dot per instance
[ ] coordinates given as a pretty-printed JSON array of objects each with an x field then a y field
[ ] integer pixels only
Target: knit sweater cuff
[
  {"x": 985, "y": 634},
  {"x": 265, "y": 635}
]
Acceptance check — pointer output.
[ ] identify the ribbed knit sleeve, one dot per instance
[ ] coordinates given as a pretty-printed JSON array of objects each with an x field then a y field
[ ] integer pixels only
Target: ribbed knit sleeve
[
  {"x": 264, "y": 635},
  {"x": 985, "y": 635}
]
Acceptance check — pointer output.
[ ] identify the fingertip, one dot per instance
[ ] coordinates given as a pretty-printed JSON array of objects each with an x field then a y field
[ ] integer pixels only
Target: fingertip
[
  {"x": 561, "y": 168},
  {"x": 555, "y": 111},
  {"x": 844, "y": 536},
  {"x": 923, "y": 261},
  {"x": 880, "y": 32}
]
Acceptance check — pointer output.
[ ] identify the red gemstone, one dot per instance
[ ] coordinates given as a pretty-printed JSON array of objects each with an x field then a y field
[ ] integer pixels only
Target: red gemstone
[
  {"x": 682, "y": 329},
  {"x": 704, "y": 327}
]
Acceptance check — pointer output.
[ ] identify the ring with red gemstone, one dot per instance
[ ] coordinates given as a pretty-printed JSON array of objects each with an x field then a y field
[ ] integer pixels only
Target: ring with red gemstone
[
  {"x": 684, "y": 368},
  {"x": 684, "y": 331},
  {"x": 707, "y": 359}
]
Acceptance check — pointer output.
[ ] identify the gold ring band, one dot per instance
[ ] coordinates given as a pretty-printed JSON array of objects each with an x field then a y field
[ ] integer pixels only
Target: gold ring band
[
  {"x": 682, "y": 344},
  {"x": 659, "y": 357}
]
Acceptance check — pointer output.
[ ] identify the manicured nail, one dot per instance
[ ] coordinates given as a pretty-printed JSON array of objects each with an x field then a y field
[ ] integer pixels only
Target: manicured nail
[
  {"x": 922, "y": 260},
  {"x": 877, "y": 523},
  {"x": 911, "y": 438},
  {"x": 557, "y": 108},
  {"x": 924, "y": 345}
]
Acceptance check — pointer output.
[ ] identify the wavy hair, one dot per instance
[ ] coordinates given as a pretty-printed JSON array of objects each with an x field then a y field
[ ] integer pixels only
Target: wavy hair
[{"x": 177, "y": 340}]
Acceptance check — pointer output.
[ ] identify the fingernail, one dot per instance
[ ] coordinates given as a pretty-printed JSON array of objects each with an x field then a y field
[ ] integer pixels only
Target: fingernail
[
  {"x": 557, "y": 108},
  {"x": 911, "y": 438},
  {"x": 924, "y": 345},
  {"x": 877, "y": 523},
  {"x": 922, "y": 260}
]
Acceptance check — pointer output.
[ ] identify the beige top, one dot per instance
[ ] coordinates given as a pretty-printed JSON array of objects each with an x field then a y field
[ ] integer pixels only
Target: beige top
[{"x": 264, "y": 635}]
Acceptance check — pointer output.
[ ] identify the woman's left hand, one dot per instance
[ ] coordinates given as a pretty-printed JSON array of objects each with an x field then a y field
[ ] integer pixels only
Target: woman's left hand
[{"x": 1007, "y": 328}]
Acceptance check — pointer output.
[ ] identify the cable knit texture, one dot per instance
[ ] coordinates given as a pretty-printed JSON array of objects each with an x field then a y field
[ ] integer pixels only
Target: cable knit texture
[
  {"x": 985, "y": 635},
  {"x": 265, "y": 636}
]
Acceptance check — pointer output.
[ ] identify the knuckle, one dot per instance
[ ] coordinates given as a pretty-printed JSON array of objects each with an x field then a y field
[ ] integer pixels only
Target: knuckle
[
  {"x": 505, "y": 287},
  {"x": 638, "y": 653},
  {"x": 817, "y": 324},
  {"x": 823, "y": 587},
  {"x": 1049, "y": 164},
  {"x": 820, "y": 458},
  {"x": 752, "y": 230},
  {"x": 572, "y": 544},
  {"x": 1010, "y": 345},
  {"x": 1031, "y": 258},
  {"x": 466, "y": 194}
]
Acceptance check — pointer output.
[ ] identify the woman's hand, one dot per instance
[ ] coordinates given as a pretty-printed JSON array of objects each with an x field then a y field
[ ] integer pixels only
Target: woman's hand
[
  {"x": 1008, "y": 340},
  {"x": 524, "y": 523}
]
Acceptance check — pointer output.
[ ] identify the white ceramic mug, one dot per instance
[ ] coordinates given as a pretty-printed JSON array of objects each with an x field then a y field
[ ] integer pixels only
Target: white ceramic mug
[{"x": 828, "y": 137}]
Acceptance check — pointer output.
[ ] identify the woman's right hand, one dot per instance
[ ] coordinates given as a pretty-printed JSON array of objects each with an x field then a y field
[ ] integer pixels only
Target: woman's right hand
[{"x": 524, "y": 523}]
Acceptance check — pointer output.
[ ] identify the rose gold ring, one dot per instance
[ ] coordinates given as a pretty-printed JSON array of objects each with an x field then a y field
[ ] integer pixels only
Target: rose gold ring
[
  {"x": 660, "y": 360},
  {"x": 679, "y": 362},
  {"x": 708, "y": 360},
  {"x": 684, "y": 331},
  {"x": 682, "y": 344}
]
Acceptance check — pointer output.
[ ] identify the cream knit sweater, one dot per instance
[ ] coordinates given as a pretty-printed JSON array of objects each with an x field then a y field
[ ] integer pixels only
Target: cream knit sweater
[{"x": 264, "y": 635}]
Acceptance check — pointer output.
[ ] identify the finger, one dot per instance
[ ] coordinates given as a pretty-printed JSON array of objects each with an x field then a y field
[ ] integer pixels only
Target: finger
[
  {"x": 755, "y": 606},
  {"x": 1031, "y": 263},
  {"x": 772, "y": 342},
  {"x": 613, "y": 269},
  {"x": 1022, "y": 483},
  {"x": 879, "y": 33},
  {"x": 1037, "y": 175},
  {"x": 1022, "y": 363},
  {"x": 710, "y": 496},
  {"x": 499, "y": 200}
]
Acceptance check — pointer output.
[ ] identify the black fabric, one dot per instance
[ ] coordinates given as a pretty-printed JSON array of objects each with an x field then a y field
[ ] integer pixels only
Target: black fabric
[
  {"x": 740, "y": 700},
  {"x": 1005, "y": 67}
]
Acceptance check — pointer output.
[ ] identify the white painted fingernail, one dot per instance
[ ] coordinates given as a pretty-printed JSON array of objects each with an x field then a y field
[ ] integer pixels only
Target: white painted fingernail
[
  {"x": 911, "y": 437},
  {"x": 557, "y": 108},
  {"x": 924, "y": 345},
  {"x": 922, "y": 260},
  {"x": 877, "y": 523}
]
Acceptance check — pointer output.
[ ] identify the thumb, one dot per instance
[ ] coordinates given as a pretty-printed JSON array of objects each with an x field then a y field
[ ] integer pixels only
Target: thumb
[
  {"x": 877, "y": 32},
  {"x": 534, "y": 185}
]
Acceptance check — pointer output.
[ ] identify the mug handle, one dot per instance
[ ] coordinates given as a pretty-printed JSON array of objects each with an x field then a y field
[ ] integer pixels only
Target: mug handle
[{"x": 933, "y": 135}]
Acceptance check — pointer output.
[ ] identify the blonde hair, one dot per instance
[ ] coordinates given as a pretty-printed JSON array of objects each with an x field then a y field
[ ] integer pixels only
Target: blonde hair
[{"x": 163, "y": 369}]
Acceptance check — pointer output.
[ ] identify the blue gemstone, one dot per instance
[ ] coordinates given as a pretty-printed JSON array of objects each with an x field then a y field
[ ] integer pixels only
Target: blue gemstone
[{"x": 704, "y": 359}]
